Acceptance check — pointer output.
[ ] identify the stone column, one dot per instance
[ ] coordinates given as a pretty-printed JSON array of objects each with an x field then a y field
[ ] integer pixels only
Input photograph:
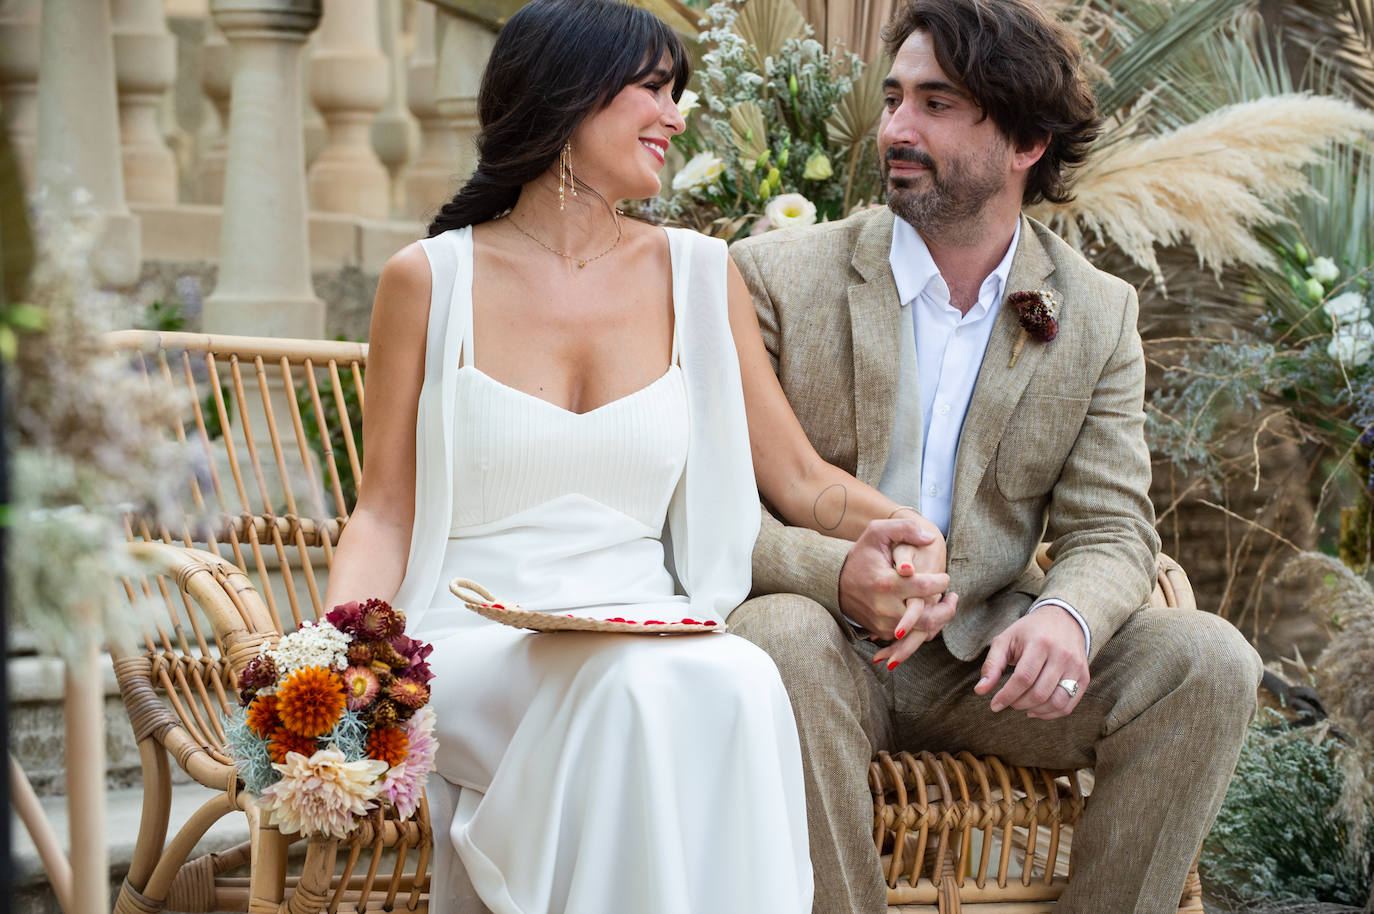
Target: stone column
[
  {"x": 264, "y": 284},
  {"x": 78, "y": 129},
  {"x": 394, "y": 134},
  {"x": 215, "y": 77},
  {"x": 145, "y": 66},
  {"x": 348, "y": 83},
  {"x": 19, "y": 79},
  {"x": 427, "y": 181},
  {"x": 464, "y": 47}
]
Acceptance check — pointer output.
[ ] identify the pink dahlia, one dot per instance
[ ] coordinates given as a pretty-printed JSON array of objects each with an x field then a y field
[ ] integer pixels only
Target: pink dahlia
[{"x": 405, "y": 782}]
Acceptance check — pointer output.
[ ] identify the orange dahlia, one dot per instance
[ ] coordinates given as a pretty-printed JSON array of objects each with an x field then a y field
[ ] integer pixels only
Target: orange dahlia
[
  {"x": 284, "y": 741},
  {"x": 262, "y": 715},
  {"x": 311, "y": 701},
  {"x": 389, "y": 744}
]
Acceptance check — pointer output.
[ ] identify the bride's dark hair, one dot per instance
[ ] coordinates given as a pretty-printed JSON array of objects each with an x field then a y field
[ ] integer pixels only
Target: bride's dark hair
[{"x": 554, "y": 63}]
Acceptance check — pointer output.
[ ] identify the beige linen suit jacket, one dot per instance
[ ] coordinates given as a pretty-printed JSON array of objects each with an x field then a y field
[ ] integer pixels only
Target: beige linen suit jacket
[{"x": 1052, "y": 448}]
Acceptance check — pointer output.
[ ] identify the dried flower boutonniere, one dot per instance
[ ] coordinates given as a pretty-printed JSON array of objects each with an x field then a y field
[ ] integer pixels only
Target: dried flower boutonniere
[{"x": 1037, "y": 312}]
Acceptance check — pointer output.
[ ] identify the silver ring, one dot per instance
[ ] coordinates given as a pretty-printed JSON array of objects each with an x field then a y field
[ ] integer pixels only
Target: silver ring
[{"x": 1070, "y": 686}]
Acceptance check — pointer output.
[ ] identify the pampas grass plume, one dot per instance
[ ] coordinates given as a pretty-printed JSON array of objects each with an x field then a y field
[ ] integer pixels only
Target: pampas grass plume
[{"x": 1207, "y": 183}]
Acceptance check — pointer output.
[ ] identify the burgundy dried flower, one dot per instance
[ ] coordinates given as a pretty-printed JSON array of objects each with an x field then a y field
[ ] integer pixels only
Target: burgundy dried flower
[
  {"x": 406, "y": 691},
  {"x": 345, "y": 617},
  {"x": 1036, "y": 312},
  {"x": 359, "y": 653},
  {"x": 379, "y": 621},
  {"x": 259, "y": 673},
  {"x": 419, "y": 671},
  {"x": 383, "y": 652}
]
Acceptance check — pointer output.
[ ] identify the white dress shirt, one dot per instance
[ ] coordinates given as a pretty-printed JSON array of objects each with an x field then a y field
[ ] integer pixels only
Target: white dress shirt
[{"x": 949, "y": 353}]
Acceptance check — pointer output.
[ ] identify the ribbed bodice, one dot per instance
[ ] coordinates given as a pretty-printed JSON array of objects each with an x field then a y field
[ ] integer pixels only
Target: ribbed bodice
[{"x": 626, "y": 455}]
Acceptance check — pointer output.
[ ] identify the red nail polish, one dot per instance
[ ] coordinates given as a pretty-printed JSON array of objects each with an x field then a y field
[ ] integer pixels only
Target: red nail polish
[
  {"x": 893, "y": 665},
  {"x": 899, "y": 633},
  {"x": 877, "y": 660},
  {"x": 906, "y": 568}
]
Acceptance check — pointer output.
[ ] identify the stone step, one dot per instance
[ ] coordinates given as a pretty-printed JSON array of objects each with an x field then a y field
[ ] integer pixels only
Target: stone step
[
  {"x": 37, "y": 733},
  {"x": 31, "y": 892}
]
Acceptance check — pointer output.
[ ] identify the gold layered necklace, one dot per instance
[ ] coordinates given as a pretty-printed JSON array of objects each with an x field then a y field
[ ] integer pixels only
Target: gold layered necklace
[{"x": 581, "y": 262}]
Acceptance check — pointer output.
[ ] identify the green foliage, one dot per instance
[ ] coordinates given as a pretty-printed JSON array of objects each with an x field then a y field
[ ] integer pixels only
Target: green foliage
[
  {"x": 1277, "y": 835},
  {"x": 793, "y": 119},
  {"x": 165, "y": 317},
  {"x": 328, "y": 442}
]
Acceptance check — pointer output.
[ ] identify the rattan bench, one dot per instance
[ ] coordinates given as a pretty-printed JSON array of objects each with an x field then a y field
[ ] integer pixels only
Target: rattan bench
[{"x": 274, "y": 427}]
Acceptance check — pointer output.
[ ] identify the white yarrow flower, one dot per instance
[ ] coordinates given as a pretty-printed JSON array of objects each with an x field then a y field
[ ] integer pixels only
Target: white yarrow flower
[
  {"x": 703, "y": 169},
  {"x": 1353, "y": 344},
  {"x": 1324, "y": 270},
  {"x": 1347, "y": 308},
  {"x": 313, "y": 644},
  {"x": 787, "y": 210}
]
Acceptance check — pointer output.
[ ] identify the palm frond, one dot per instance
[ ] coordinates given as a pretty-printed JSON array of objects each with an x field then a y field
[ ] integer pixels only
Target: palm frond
[
  {"x": 1339, "y": 34},
  {"x": 1207, "y": 184},
  {"x": 749, "y": 131},
  {"x": 767, "y": 24},
  {"x": 856, "y": 115}
]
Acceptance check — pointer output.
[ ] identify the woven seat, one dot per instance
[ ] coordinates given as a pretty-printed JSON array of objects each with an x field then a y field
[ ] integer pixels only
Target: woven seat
[{"x": 273, "y": 427}]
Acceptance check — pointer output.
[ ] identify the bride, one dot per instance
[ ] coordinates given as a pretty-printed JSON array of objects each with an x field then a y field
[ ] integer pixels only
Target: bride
[{"x": 561, "y": 403}]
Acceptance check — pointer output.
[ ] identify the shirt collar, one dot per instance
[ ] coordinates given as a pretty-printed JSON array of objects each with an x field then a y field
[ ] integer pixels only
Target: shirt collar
[{"x": 914, "y": 269}]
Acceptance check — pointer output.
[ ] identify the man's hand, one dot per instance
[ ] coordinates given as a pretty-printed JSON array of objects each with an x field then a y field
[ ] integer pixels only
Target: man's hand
[
  {"x": 873, "y": 591},
  {"x": 1045, "y": 647}
]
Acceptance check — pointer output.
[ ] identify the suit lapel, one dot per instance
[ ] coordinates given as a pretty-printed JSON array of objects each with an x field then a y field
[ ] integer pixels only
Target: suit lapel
[
  {"x": 999, "y": 387},
  {"x": 874, "y": 318}
]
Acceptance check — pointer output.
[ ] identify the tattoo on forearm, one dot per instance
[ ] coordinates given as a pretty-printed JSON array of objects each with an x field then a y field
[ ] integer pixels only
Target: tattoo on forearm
[{"x": 830, "y": 506}]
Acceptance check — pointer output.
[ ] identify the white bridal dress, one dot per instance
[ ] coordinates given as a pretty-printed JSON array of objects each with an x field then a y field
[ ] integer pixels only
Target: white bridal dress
[{"x": 595, "y": 773}]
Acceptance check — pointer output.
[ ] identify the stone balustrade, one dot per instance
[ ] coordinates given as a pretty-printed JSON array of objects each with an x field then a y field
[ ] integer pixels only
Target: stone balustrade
[{"x": 87, "y": 94}]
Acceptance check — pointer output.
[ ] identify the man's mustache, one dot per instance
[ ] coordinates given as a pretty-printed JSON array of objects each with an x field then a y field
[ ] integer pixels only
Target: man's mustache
[{"x": 908, "y": 154}]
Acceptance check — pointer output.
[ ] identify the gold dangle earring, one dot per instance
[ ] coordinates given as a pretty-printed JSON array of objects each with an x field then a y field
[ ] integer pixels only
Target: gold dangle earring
[{"x": 565, "y": 174}]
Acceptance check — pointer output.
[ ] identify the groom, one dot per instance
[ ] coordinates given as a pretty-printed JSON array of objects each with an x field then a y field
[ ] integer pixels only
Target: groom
[{"x": 894, "y": 338}]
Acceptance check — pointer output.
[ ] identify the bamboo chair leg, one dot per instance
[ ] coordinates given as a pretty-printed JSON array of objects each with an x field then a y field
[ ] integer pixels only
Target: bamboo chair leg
[
  {"x": 267, "y": 882},
  {"x": 157, "y": 808},
  {"x": 55, "y": 863},
  {"x": 84, "y": 707}
]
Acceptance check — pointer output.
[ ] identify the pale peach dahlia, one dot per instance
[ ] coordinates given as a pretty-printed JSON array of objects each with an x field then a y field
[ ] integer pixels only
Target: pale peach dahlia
[{"x": 322, "y": 794}]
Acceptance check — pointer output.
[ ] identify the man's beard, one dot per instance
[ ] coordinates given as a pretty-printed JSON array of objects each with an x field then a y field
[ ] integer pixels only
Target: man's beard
[{"x": 954, "y": 194}]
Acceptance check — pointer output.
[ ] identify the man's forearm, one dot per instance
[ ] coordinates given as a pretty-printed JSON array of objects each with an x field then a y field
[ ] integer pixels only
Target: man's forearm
[{"x": 798, "y": 560}]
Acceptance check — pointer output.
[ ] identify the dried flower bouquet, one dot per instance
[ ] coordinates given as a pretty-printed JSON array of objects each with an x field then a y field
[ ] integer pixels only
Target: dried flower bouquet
[{"x": 335, "y": 721}]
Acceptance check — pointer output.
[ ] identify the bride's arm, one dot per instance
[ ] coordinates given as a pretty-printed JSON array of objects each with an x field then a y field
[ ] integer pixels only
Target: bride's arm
[
  {"x": 803, "y": 488},
  {"x": 370, "y": 560}
]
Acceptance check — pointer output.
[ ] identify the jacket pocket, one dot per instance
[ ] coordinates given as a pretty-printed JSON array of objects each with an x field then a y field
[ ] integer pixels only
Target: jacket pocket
[{"x": 1037, "y": 442}]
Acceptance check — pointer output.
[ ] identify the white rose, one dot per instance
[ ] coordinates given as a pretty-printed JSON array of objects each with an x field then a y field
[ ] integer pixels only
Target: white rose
[
  {"x": 1324, "y": 270},
  {"x": 688, "y": 101},
  {"x": 1353, "y": 344},
  {"x": 787, "y": 210},
  {"x": 701, "y": 171},
  {"x": 1346, "y": 308}
]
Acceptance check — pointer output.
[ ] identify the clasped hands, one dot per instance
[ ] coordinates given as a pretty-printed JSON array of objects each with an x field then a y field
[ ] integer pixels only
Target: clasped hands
[{"x": 894, "y": 584}]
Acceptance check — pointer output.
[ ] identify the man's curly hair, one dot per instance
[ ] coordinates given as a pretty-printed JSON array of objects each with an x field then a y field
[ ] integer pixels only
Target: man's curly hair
[{"x": 1023, "y": 70}]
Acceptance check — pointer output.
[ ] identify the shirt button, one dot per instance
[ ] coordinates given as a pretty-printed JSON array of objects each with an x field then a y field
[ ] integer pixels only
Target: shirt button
[
  {"x": 943, "y": 409},
  {"x": 958, "y": 331},
  {"x": 933, "y": 491}
]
